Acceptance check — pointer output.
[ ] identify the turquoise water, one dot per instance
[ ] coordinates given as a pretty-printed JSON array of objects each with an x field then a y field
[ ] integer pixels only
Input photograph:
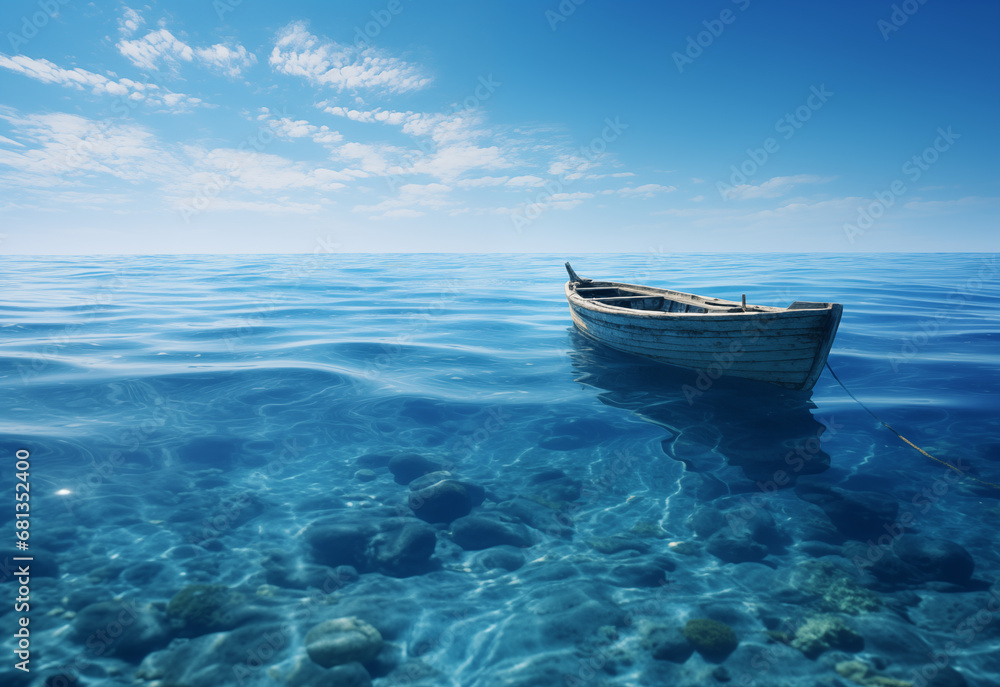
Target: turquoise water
[{"x": 210, "y": 439}]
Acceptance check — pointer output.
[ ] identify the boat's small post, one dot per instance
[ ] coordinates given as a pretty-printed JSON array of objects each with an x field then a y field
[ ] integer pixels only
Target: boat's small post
[
  {"x": 744, "y": 301},
  {"x": 573, "y": 276}
]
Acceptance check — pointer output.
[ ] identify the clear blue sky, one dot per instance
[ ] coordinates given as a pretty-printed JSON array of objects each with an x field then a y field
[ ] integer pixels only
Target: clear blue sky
[{"x": 395, "y": 125}]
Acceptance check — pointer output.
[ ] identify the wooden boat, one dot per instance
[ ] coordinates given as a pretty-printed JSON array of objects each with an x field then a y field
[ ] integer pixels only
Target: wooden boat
[{"x": 784, "y": 346}]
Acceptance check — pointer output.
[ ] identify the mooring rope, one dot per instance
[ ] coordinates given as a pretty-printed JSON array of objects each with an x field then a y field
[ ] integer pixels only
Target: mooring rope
[{"x": 910, "y": 443}]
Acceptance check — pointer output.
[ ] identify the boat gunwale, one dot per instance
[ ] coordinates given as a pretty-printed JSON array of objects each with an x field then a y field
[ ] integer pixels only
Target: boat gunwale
[{"x": 725, "y": 309}]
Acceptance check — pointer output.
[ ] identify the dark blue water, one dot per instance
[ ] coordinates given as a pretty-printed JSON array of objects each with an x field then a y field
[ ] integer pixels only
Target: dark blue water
[{"x": 209, "y": 439}]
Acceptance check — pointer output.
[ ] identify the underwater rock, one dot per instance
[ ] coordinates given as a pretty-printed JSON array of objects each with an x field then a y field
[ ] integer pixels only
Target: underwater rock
[
  {"x": 572, "y": 610},
  {"x": 822, "y": 632},
  {"x": 365, "y": 475},
  {"x": 736, "y": 549},
  {"x": 225, "y": 658},
  {"x": 337, "y": 543},
  {"x": 838, "y": 591},
  {"x": 406, "y": 467},
  {"x": 957, "y": 613},
  {"x": 617, "y": 543},
  {"x": 555, "y": 488},
  {"x": 430, "y": 478},
  {"x": 886, "y": 634},
  {"x": 858, "y": 515},
  {"x": 306, "y": 673},
  {"x": 477, "y": 494},
  {"x": 710, "y": 638},
  {"x": 946, "y": 676},
  {"x": 647, "y": 529},
  {"x": 554, "y": 522},
  {"x": 443, "y": 501},
  {"x": 343, "y": 640},
  {"x": 120, "y": 628},
  {"x": 666, "y": 643},
  {"x": 706, "y": 521},
  {"x": 641, "y": 575},
  {"x": 913, "y": 560},
  {"x": 403, "y": 547},
  {"x": 861, "y": 674},
  {"x": 477, "y": 532},
  {"x": 935, "y": 559},
  {"x": 203, "y": 608},
  {"x": 506, "y": 558}
]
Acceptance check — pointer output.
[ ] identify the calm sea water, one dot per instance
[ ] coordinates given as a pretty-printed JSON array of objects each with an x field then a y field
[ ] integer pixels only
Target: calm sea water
[{"x": 196, "y": 427}]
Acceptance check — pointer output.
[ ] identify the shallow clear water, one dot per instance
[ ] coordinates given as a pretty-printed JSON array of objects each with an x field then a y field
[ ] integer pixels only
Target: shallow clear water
[{"x": 198, "y": 421}]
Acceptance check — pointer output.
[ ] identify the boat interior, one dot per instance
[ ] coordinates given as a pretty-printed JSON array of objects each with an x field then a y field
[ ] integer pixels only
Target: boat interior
[{"x": 636, "y": 300}]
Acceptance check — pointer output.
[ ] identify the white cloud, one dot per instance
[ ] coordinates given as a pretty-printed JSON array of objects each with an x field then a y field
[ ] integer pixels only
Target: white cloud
[
  {"x": 449, "y": 162},
  {"x": 528, "y": 180},
  {"x": 616, "y": 175},
  {"x": 772, "y": 188},
  {"x": 299, "y": 53},
  {"x": 129, "y": 22},
  {"x": 81, "y": 79},
  {"x": 565, "y": 204},
  {"x": 148, "y": 51},
  {"x": 410, "y": 202},
  {"x": 286, "y": 127},
  {"x": 645, "y": 191},
  {"x": 230, "y": 60},
  {"x": 66, "y": 150},
  {"x": 162, "y": 46},
  {"x": 698, "y": 199},
  {"x": 378, "y": 159},
  {"x": 696, "y": 180},
  {"x": 571, "y": 166},
  {"x": 257, "y": 171},
  {"x": 10, "y": 142},
  {"x": 481, "y": 182},
  {"x": 376, "y": 115}
]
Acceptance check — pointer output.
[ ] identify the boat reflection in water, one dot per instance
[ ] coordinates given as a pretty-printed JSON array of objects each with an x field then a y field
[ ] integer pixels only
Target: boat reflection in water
[{"x": 765, "y": 431}]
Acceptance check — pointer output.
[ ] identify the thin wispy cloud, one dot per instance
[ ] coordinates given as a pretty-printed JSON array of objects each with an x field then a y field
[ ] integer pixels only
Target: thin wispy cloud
[
  {"x": 299, "y": 53},
  {"x": 129, "y": 22},
  {"x": 162, "y": 47},
  {"x": 773, "y": 188},
  {"x": 48, "y": 72}
]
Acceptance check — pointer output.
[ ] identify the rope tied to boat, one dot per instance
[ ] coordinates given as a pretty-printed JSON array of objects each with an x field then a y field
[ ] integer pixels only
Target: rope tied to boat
[{"x": 907, "y": 441}]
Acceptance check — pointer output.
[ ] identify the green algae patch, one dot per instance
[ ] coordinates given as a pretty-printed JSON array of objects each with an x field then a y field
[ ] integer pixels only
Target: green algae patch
[
  {"x": 203, "y": 608},
  {"x": 710, "y": 638}
]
